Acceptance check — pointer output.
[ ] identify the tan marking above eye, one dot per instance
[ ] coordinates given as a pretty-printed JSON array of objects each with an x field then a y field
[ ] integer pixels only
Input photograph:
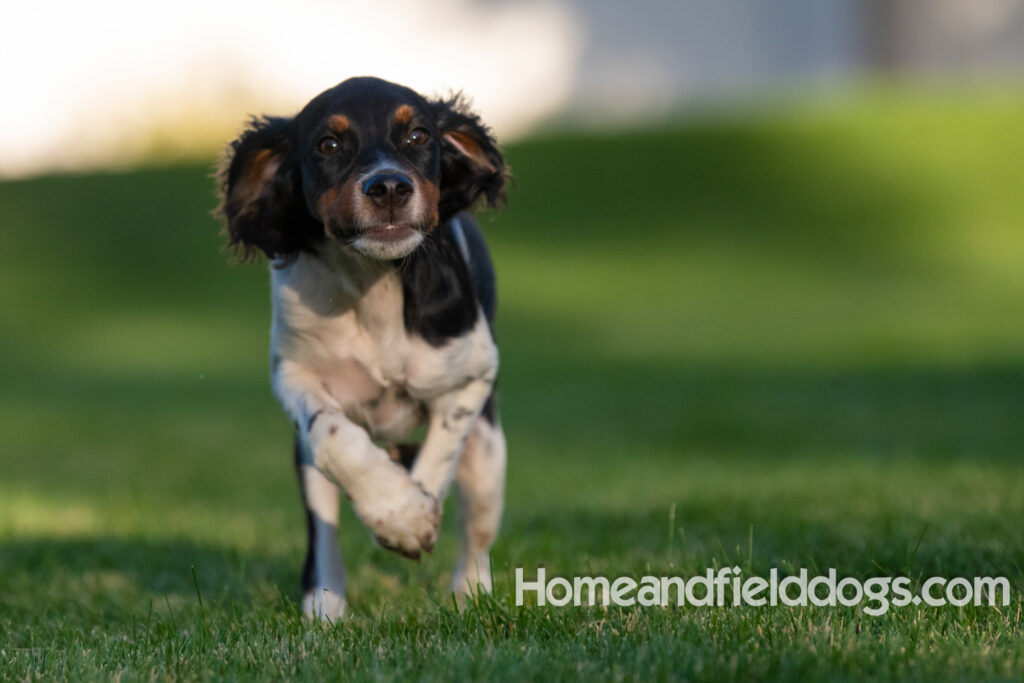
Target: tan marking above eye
[
  {"x": 404, "y": 114},
  {"x": 338, "y": 123}
]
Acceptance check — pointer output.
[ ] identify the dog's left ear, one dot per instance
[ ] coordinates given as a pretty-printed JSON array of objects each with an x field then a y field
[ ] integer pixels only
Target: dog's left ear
[{"x": 471, "y": 165}]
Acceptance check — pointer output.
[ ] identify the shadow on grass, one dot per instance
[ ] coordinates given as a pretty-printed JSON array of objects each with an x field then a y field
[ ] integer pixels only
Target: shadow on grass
[
  {"x": 118, "y": 579},
  {"x": 630, "y": 407}
]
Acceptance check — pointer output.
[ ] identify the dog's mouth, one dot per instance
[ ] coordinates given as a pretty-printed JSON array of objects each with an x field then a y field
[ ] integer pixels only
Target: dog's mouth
[
  {"x": 389, "y": 232},
  {"x": 382, "y": 232},
  {"x": 386, "y": 241}
]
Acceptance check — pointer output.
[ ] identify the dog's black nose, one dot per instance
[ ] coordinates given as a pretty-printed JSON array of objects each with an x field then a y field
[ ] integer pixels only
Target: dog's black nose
[{"x": 388, "y": 189}]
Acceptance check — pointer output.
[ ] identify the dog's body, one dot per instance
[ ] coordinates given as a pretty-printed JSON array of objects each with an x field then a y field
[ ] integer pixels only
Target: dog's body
[{"x": 383, "y": 299}]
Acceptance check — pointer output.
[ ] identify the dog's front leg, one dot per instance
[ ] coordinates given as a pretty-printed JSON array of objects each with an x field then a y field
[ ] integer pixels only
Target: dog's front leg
[
  {"x": 481, "y": 477},
  {"x": 401, "y": 515},
  {"x": 451, "y": 418}
]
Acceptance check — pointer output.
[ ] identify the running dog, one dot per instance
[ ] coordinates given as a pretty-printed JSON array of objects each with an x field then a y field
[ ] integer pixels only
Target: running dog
[{"x": 383, "y": 299}]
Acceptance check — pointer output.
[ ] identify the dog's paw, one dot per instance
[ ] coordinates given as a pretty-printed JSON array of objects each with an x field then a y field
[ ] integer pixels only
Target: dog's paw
[
  {"x": 406, "y": 520},
  {"x": 323, "y": 604}
]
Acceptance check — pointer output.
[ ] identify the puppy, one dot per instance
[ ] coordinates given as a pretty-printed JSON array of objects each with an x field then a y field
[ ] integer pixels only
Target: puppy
[{"x": 383, "y": 298}]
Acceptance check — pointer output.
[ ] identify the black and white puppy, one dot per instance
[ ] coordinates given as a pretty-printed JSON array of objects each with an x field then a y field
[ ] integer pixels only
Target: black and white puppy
[{"x": 383, "y": 298}]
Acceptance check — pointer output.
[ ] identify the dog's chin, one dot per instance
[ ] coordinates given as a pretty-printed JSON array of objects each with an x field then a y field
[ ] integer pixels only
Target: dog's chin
[{"x": 387, "y": 242}]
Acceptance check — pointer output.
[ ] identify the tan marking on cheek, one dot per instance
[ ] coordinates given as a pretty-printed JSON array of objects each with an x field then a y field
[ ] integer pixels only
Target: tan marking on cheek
[
  {"x": 326, "y": 203},
  {"x": 346, "y": 206},
  {"x": 431, "y": 197},
  {"x": 404, "y": 114},
  {"x": 338, "y": 123}
]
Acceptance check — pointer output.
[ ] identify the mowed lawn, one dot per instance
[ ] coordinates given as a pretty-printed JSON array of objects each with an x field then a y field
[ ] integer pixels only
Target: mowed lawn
[{"x": 793, "y": 339}]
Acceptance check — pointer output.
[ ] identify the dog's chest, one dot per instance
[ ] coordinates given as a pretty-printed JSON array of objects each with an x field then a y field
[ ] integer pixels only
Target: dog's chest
[{"x": 353, "y": 340}]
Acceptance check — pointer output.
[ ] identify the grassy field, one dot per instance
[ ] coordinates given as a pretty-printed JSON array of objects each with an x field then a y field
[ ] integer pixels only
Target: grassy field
[{"x": 789, "y": 340}]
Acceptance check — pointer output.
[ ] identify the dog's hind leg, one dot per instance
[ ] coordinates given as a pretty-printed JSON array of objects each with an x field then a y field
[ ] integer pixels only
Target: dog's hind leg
[
  {"x": 481, "y": 480},
  {"x": 323, "y": 576}
]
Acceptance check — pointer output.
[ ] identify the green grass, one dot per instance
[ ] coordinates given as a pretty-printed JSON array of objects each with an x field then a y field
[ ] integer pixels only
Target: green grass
[{"x": 803, "y": 332}]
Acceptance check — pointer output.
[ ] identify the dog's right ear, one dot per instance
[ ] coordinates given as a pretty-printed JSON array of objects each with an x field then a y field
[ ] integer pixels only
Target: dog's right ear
[
  {"x": 262, "y": 198},
  {"x": 471, "y": 165}
]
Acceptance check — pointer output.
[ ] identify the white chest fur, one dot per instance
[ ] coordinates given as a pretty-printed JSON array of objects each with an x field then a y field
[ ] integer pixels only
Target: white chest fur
[{"x": 339, "y": 325}]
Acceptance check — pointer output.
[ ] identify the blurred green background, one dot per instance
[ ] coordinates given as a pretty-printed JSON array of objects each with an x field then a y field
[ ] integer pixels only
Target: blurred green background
[{"x": 801, "y": 330}]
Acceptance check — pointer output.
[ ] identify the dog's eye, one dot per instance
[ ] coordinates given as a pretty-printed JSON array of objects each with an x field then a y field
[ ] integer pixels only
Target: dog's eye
[
  {"x": 416, "y": 137},
  {"x": 329, "y": 145}
]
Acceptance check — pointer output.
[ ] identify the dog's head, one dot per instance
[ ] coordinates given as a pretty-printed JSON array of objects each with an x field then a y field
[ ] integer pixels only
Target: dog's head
[{"x": 368, "y": 164}]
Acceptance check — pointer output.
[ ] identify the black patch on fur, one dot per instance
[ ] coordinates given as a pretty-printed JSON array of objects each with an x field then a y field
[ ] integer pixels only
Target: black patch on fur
[
  {"x": 481, "y": 269},
  {"x": 490, "y": 410},
  {"x": 407, "y": 453},
  {"x": 309, "y": 566},
  {"x": 461, "y": 413},
  {"x": 312, "y": 419},
  {"x": 439, "y": 298}
]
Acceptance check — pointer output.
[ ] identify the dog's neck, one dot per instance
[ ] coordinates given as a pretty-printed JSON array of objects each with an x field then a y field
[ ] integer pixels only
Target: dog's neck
[
  {"x": 356, "y": 273},
  {"x": 334, "y": 280}
]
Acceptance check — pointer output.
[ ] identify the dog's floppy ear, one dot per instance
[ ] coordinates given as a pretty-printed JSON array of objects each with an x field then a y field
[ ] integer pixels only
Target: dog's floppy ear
[
  {"x": 262, "y": 198},
  {"x": 471, "y": 165}
]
